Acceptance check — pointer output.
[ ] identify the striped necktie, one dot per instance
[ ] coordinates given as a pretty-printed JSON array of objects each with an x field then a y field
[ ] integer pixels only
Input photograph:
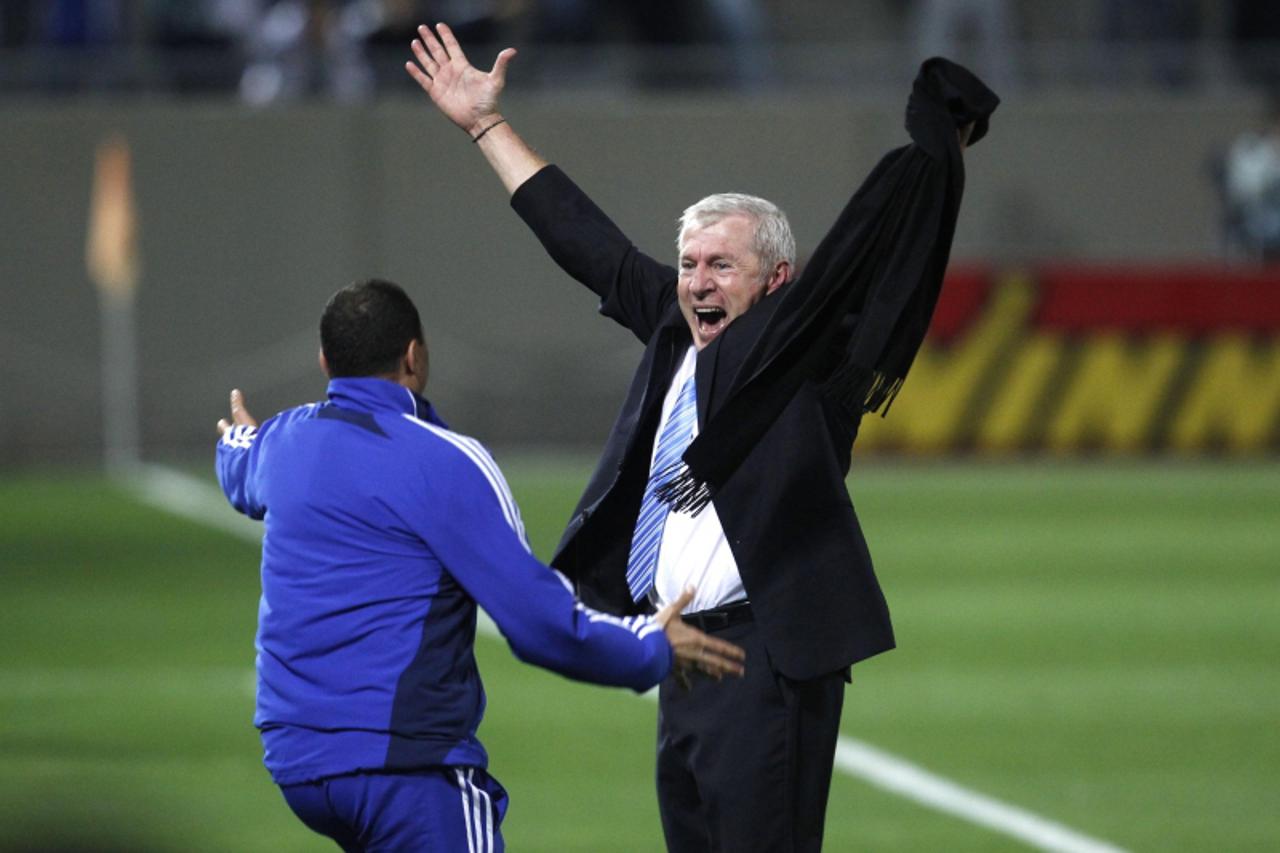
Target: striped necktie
[{"x": 676, "y": 435}]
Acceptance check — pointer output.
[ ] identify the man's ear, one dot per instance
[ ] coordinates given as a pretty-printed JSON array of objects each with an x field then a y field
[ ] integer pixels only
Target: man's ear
[
  {"x": 415, "y": 359},
  {"x": 781, "y": 275},
  {"x": 324, "y": 363}
]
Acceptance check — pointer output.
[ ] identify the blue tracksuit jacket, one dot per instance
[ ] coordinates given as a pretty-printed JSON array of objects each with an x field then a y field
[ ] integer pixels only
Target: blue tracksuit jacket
[{"x": 384, "y": 530}]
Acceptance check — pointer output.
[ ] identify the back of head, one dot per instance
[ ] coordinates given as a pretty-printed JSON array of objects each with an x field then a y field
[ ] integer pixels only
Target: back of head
[
  {"x": 366, "y": 328},
  {"x": 773, "y": 242}
]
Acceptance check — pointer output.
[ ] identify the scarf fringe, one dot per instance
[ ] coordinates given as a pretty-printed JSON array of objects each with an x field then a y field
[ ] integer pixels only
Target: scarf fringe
[
  {"x": 883, "y": 391},
  {"x": 859, "y": 390},
  {"x": 870, "y": 391},
  {"x": 683, "y": 491}
]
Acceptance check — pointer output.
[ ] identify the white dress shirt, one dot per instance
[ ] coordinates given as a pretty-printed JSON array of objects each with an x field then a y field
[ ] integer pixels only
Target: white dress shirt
[{"x": 694, "y": 549}]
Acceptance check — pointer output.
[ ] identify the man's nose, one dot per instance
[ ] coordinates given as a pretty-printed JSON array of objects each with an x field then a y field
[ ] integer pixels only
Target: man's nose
[{"x": 703, "y": 282}]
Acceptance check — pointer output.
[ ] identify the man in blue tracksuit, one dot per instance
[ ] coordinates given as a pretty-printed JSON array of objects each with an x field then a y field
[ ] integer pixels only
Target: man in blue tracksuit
[{"x": 384, "y": 530}]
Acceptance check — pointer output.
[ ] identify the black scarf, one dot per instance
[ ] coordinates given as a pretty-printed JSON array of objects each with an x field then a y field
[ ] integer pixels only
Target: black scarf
[{"x": 879, "y": 268}]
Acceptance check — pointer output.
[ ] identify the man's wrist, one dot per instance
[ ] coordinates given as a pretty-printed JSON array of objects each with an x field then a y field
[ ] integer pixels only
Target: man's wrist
[{"x": 484, "y": 125}]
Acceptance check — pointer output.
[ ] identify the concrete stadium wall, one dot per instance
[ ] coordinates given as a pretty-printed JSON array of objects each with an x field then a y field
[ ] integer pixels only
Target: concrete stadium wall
[{"x": 249, "y": 220}]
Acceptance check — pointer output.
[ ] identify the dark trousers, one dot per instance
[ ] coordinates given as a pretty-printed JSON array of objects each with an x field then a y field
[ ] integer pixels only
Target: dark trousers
[{"x": 745, "y": 764}]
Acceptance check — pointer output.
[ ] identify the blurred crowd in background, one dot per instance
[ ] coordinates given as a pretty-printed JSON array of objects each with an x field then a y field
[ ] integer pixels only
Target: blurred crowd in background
[
  {"x": 272, "y": 50},
  {"x": 267, "y": 52},
  {"x": 1247, "y": 175}
]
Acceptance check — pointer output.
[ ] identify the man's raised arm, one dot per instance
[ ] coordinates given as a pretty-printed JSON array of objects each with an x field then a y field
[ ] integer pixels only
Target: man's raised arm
[
  {"x": 469, "y": 98},
  {"x": 634, "y": 288}
]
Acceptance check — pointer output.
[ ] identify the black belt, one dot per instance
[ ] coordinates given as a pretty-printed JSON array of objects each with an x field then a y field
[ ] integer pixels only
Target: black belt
[{"x": 719, "y": 617}]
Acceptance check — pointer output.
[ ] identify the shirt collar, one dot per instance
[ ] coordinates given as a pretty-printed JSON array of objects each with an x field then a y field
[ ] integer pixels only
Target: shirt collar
[{"x": 371, "y": 394}]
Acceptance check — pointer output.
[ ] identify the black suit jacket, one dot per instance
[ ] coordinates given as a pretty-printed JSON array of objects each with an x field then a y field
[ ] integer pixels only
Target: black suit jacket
[{"x": 785, "y": 511}]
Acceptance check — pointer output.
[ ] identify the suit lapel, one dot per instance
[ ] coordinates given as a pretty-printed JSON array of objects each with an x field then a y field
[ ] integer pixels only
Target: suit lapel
[
  {"x": 705, "y": 378},
  {"x": 721, "y": 360}
]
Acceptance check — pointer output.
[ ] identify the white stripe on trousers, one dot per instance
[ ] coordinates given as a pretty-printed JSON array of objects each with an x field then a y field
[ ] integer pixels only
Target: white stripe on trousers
[{"x": 477, "y": 812}]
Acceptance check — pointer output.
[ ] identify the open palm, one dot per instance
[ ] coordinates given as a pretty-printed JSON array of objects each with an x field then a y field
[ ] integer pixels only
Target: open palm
[{"x": 465, "y": 94}]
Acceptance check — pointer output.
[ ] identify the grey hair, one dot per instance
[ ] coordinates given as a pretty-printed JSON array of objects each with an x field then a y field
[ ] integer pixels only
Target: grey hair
[{"x": 774, "y": 241}]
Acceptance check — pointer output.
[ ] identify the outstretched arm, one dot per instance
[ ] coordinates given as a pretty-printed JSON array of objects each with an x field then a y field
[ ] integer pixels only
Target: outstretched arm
[
  {"x": 468, "y": 97},
  {"x": 473, "y": 528},
  {"x": 635, "y": 289},
  {"x": 236, "y": 458}
]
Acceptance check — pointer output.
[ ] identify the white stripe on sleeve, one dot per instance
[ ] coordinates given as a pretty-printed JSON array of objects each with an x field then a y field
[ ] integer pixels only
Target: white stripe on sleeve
[
  {"x": 240, "y": 436},
  {"x": 641, "y": 626},
  {"x": 475, "y": 451}
]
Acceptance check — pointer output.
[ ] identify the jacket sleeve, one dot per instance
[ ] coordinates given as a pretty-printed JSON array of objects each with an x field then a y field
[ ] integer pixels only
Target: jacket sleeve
[
  {"x": 634, "y": 289},
  {"x": 236, "y": 463},
  {"x": 470, "y": 521},
  {"x": 882, "y": 264}
]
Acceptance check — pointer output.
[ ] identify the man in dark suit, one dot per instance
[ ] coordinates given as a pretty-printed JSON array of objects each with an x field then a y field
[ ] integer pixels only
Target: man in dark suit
[{"x": 772, "y": 545}]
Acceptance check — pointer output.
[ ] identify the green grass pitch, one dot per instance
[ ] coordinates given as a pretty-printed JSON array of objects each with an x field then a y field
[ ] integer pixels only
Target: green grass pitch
[{"x": 1099, "y": 644}]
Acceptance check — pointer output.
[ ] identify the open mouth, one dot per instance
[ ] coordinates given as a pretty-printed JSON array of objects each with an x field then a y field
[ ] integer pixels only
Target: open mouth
[{"x": 710, "y": 320}]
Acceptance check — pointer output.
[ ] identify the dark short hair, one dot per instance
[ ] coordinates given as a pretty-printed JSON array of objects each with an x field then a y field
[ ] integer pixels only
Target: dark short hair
[{"x": 366, "y": 328}]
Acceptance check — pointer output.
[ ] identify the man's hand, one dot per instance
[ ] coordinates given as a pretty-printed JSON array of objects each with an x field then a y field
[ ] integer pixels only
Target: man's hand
[
  {"x": 696, "y": 650},
  {"x": 239, "y": 414},
  {"x": 469, "y": 97},
  {"x": 470, "y": 100}
]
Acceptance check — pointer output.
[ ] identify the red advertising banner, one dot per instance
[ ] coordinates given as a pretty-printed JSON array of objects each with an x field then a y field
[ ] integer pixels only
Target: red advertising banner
[{"x": 1112, "y": 359}]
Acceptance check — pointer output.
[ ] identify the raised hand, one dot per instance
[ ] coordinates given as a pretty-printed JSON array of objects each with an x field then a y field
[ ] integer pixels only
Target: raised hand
[
  {"x": 468, "y": 96},
  {"x": 695, "y": 650},
  {"x": 239, "y": 414}
]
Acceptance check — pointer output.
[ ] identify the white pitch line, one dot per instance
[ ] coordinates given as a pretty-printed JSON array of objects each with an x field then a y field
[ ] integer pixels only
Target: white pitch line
[
  {"x": 890, "y": 773},
  {"x": 192, "y": 498}
]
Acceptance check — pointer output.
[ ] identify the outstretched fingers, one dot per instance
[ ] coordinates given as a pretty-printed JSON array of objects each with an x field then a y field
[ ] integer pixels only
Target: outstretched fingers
[
  {"x": 419, "y": 75},
  {"x": 439, "y": 55},
  {"x": 718, "y": 658},
  {"x": 451, "y": 47},
  {"x": 673, "y": 610},
  {"x": 239, "y": 414}
]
